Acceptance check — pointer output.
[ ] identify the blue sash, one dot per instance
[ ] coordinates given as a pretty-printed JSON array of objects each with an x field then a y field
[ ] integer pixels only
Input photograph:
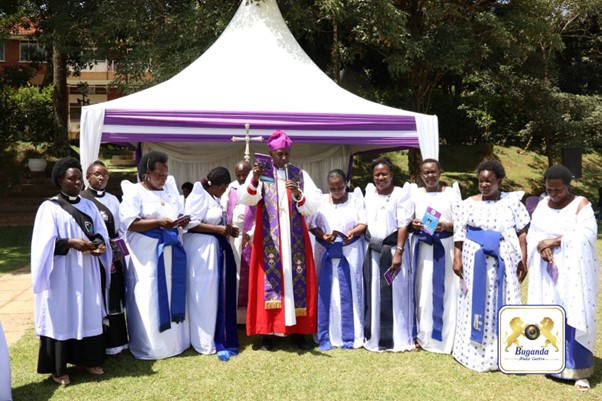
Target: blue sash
[
  {"x": 579, "y": 360},
  {"x": 335, "y": 250},
  {"x": 169, "y": 237},
  {"x": 226, "y": 333},
  {"x": 438, "y": 277},
  {"x": 490, "y": 246}
]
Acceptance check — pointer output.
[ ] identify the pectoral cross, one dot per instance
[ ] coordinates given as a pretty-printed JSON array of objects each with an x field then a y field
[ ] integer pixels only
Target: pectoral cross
[{"x": 247, "y": 140}]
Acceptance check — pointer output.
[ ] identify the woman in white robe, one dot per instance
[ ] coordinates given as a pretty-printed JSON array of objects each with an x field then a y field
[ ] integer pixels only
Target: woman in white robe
[
  {"x": 341, "y": 218},
  {"x": 156, "y": 318},
  {"x": 435, "y": 325},
  {"x": 500, "y": 215},
  {"x": 565, "y": 269},
  {"x": 389, "y": 210},
  {"x": 67, "y": 249},
  {"x": 203, "y": 271},
  {"x": 116, "y": 336}
]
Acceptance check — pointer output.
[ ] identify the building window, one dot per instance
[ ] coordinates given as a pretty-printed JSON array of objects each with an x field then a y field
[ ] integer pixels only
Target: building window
[
  {"x": 31, "y": 52},
  {"x": 2, "y": 52}
]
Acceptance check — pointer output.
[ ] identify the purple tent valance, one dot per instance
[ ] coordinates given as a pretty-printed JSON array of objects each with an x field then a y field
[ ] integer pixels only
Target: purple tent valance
[
  {"x": 219, "y": 126},
  {"x": 295, "y": 121}
]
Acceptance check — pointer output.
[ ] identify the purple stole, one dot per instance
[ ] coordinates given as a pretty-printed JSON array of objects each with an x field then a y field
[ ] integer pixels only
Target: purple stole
[
  {"x": 272, "y": 262},
  {"x": 245, "y": 254}
]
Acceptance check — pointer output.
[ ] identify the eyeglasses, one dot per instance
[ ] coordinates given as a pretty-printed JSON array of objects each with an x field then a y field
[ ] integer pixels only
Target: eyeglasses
[{"x": 98, "y": 175}]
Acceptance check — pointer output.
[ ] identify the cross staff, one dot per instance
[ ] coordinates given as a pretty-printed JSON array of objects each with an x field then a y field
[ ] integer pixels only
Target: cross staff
[{"x": 247, "y": 139}]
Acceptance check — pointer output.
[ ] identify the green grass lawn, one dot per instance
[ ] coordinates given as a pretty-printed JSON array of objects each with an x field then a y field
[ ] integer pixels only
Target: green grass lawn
[
  {"x": 287, "y": 374},
  {"x": 14, "y": 248}
]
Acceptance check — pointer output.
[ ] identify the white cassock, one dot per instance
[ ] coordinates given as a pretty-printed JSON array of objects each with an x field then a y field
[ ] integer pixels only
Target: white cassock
[
  {"x": 343, "y": 217},
  {"x": 67, "y": 290},
  {"x": 386, "y": 214},
  {"x": 146, "y": 342},
  {"x": 202, "y": 269},
  {"x": 446, "y": 203}
]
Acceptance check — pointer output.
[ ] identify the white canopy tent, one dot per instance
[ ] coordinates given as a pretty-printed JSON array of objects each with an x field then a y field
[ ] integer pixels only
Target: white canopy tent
[{"x": 254, "y": 73}]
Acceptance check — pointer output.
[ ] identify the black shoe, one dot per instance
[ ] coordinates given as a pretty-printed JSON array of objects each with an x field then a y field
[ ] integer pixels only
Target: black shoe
[
  {"x": 267, "y": 343},
  {"x": 301, "y": 342}
]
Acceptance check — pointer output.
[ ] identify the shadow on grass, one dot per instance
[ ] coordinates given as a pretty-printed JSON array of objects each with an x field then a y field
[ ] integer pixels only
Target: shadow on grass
[
  {"x": 123, "y": 365},
  {"x": 285, "y": 344}
]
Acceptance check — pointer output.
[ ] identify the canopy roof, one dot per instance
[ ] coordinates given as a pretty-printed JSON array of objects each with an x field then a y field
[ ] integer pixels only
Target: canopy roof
[{"x": 254, "y": 73}]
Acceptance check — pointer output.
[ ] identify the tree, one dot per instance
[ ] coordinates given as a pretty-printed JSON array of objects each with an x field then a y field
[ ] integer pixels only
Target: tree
[
  {"x": 524, "y": 103},
  {"x": 62, "y": 26}
]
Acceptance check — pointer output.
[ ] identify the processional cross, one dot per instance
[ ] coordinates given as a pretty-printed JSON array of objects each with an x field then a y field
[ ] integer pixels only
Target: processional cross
[{"x": 247, "y": 140}]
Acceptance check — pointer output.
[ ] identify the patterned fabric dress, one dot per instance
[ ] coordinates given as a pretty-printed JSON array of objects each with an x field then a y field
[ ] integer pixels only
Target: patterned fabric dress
[
  {"x": 576, "y": 289},
  {"x": 506, "y": 216}
]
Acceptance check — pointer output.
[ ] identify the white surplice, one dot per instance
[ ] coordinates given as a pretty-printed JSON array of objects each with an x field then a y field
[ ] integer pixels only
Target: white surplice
[
  {"x": 386, "y": 214},
  {"x": 343, "y": 217},
  {"x": 146, "y": 342},
  {"x": 202, "y": 269},
  {"x": 67, "y": 289},
  {"x": 446, "y": 203}
]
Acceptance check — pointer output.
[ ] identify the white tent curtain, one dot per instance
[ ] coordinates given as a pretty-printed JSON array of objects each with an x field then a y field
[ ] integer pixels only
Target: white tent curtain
[
  {"x": 192, "y": 161},
  {"x": 90, "y": 134}
]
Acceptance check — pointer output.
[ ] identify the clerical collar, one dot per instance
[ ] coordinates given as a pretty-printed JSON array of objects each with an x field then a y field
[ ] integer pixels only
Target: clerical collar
[
  {"x": 70, "y": 199},
  {"x": 96, "y": 193}
]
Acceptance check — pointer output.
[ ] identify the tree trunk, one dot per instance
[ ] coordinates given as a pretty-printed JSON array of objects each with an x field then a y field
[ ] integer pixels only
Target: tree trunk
[
  {"x": 414, "y": 161},
  {"x": 336, "y": 57},
  {"x": 60, "y": 99},
  {"x": 549, "y": 145}
]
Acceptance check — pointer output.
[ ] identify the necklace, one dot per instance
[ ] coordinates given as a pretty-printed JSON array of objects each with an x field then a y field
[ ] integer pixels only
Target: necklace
[
  {"x": 338, "y": 201},
  {"x": 494, "y": 199}
]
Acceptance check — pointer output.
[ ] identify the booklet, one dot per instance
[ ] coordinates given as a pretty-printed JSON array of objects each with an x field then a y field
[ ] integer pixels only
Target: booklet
[
  {"x": 390, "y": 275},
  {"x": 552, "y": 270},
  {"x": 121, "y": 246},
  {"x": 266, "y": 164},
  {"x": 430, "y": 220},
  {"x": 339, "y": 234}
]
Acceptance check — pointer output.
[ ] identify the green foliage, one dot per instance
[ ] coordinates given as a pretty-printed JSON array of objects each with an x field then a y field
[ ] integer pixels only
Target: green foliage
[
  {"x": 524, "y": 73},
  {"x": 30, "y": 116},
  {"x": 15, "y": 76},
  {"x": 152, "y": 41}
]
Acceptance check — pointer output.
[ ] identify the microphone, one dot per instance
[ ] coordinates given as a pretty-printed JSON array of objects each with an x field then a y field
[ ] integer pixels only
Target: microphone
[{"x": 286, "y": 171}]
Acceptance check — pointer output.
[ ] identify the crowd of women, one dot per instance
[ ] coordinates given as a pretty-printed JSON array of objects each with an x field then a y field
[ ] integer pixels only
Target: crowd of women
[{"x": 388, "y": 279}]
